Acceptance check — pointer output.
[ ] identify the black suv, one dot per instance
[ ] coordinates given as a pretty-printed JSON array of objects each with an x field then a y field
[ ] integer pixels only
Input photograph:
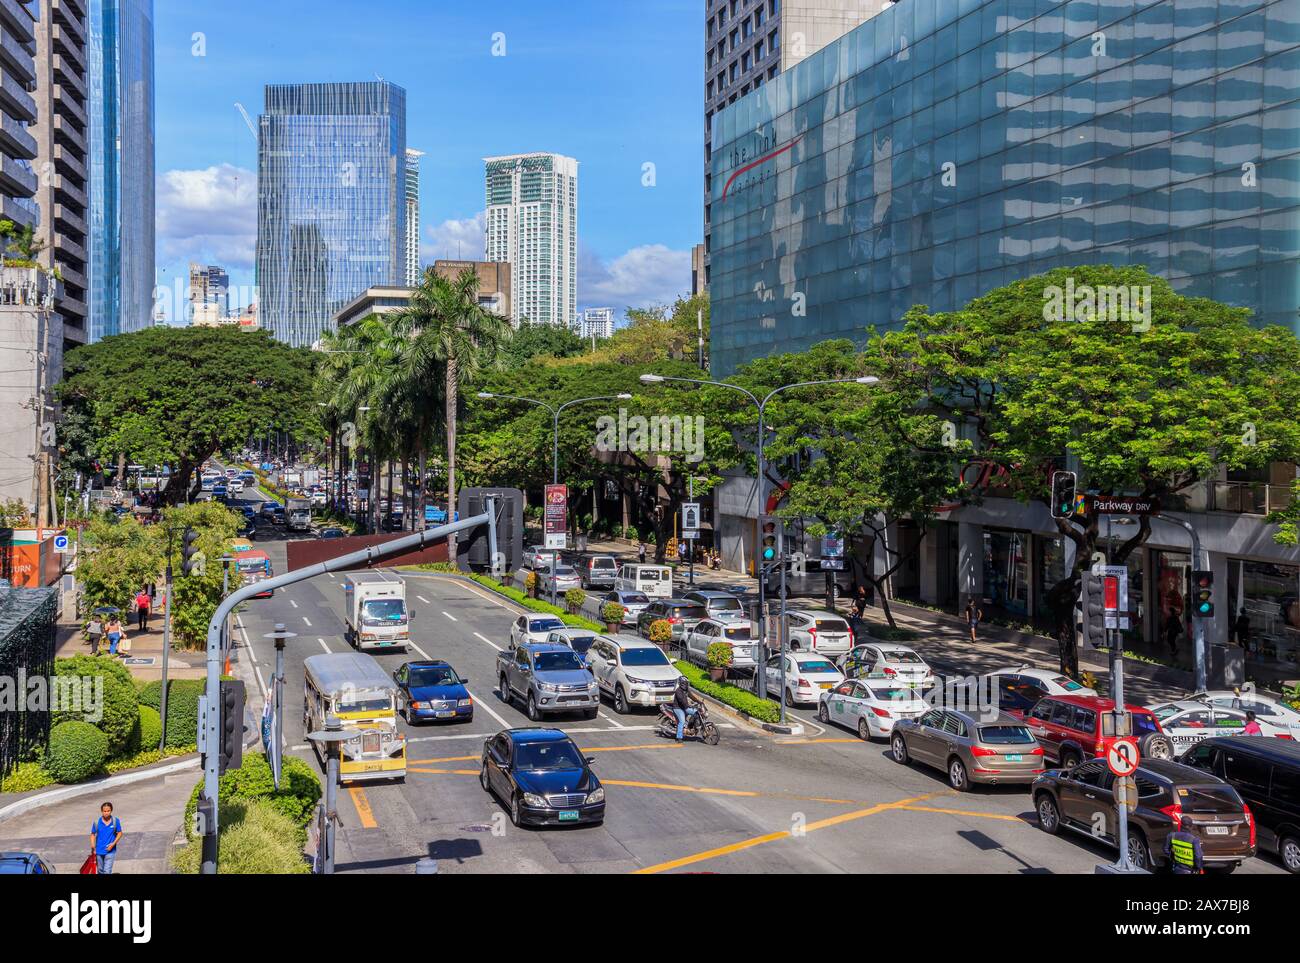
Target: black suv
[{"x": 679, "y": 613}]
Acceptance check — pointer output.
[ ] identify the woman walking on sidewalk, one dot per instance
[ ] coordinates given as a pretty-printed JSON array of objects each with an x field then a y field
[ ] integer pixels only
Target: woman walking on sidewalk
[
  {"x": 94, "y": 634},
  {"x": 114, "y": 632},
  {"x": 974, "y": 615}
]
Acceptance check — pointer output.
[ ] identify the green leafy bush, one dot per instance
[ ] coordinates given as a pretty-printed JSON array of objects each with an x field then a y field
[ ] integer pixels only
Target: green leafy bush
[
  {"x": 26, "y": 777},
  {"x": 182, "y": 708},
  {"x": 531, "y": 583},
  {"x": 612, "y": 613},
  {"x": 78, "y": 751},
  {"x": 719, "y": 655},
  {"x": 661, "y": 632},
  {"x": 150, "y": 728},
  {"x": 573, "y": 600},
  {"x": 536, "y": 605},
  {"x": 300, "y": 788},
  {"x": 764, "y": 710},
  {"x": 256, "y": 839},
  {"x": 117, "y": 717}
]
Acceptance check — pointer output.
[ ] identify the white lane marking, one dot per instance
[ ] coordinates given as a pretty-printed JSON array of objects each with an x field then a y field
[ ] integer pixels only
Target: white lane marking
[
  {"x": 480, "y": 704},
  {"x": 450, "y": 616},
  {"x": 307, "y": 621},
  {"x": 323, "y": 645},
  {"x": 257, "y": 666},
  {"x": 481, "y": 735},
  {"x": 424, "y": 600},
  {"x": 488, "y": 641},
  {"x": 418, "y": 649},
  {"x": 330, "y": 574},
  {"x": 613, "y": 722},
  {"x": 293, "y": 603}
]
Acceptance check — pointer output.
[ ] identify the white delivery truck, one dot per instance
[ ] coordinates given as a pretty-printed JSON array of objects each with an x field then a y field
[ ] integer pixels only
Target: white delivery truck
[
  {"x": 375, "y": 613},
  {"x": 297, "y": 514}
]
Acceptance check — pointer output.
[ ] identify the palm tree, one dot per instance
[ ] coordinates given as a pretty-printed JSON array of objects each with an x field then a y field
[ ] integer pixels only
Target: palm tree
[{"x": 449, "y": 333}]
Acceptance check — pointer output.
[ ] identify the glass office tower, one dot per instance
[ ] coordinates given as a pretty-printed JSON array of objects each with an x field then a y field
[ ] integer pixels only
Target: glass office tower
[
  {"x": 947, "y": 147},
  {"x": 331, "y": 210},
  {"x": 120, "y": 72}
]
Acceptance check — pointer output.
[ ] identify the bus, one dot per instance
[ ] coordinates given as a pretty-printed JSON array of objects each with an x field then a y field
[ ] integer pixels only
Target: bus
[
  {"x": 255, "y": 566},
  {"x": 356, "y": 689}
]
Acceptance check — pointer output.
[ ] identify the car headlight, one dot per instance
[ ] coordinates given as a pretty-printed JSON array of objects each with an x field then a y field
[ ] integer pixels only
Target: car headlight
[
  {"x": 537, "y": 802},
  {"x": 464, "y": 702},
  {"x": 598, "y": 796},
  {"x": 591, "y": 686},
  {"x": 636, "y": 681}
]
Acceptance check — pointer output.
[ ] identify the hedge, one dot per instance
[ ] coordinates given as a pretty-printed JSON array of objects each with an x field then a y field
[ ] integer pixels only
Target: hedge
[
  {"x": 537, "y": 605},
  {"x": 256, "y": 839},
  {"x": 118, "y": 716},
  {"x": 78, "y": 751},
  {"x": 764, "y": 710},
  {"x": 300, "y": 788},
  {"x": 182, "y": 708},
  {"x": 150, "y": 728}
]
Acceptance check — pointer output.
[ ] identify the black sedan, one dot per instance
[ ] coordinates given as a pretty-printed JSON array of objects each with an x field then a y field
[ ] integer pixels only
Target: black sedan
[{"x": 543, "y": 778}]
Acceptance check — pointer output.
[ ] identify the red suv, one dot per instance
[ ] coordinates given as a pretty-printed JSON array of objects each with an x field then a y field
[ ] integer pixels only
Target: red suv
[{"x": 1070, "y": 728}]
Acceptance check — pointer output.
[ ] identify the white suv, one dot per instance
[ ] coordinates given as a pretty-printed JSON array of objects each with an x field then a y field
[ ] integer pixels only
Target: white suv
[
  {"x": 632, "y": 671},
  {"x": 823, "y": 632}
]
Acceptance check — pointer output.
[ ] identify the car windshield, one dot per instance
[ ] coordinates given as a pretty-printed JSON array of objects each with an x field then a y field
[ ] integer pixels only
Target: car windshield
[
  {"x": 816, "y": 665},
  {"x": 547, "y": 756},
  {"x": 556, "y": 661},
  {"x": 544, "y": 625},
  {"x": 434, "y": 675},
  {"x": 739, "y": 632},
  {"x": 1209, "y": 799},
  {"x": 1069, "y": 685},
  {"x": 603, "y": 563},
  {"x": 1005, "y": 735},
  {"x": 565, "y": 571},
  {"x": 385, "y": 610},
  {"x": 365, "y": 705},
  {"x": 893, "y": 695},
  {"x": 1164, "y": 712},
  {"x": 726, "y": 605},
  {"x": 902, "y": 657},
  {"x": 635, "y": 598},
  {"x": 581, "y": 643},
  {"x": 644, "y": 657},
  {"x": 831, "y": 625},
  {"x": 690, "y": 612}
]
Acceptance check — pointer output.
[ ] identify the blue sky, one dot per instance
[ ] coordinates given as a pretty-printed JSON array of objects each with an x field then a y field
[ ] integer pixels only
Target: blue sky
[{"x": 613, "y": 83}]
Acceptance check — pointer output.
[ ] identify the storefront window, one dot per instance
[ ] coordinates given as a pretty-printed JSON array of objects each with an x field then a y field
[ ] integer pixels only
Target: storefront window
[
  {"x": 1173, "y": 572},
  {"x": 1265, "y": 617},
  {"x": 1051, "y": 572},
  {"x": 1006, "y": 572}
]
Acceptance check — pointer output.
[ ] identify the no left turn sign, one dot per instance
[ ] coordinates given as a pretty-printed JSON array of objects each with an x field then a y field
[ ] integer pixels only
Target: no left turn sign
[{"x": 1123, "y": 757}]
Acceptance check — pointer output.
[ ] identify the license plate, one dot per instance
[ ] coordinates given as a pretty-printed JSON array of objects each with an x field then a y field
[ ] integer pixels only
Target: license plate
[
  {"x": 371, "y": 766},
  {"x": 1217, "y": 830},
  {"x": 663, "y": 698},
  {"x": 445, "y": 715},
  {"x": 568, "y": 815},
  {"x": 1015, "y": 757},
  {"x": 825, "y": 685}
]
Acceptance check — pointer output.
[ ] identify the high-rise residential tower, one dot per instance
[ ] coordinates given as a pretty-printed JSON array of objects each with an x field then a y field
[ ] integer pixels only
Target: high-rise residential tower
[
  {"x": 597, "y": 323},
  {"x": 332, "y": 201},
  {"x": 413, "y": 216},
  {"x": 749, "y": 42},
  {"x": 61, "y": 132},
  {"x": 532, "y": 222},
  {"x": 120, "y": 84},
  {"x": 209, "y": 293}
]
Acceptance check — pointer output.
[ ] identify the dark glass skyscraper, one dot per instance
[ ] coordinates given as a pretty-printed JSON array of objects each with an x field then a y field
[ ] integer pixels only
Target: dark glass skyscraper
[
  {"x": 121, "y": 80},
  {"x": 331, "y": 210},
  {"x": 947, "y": 147}
]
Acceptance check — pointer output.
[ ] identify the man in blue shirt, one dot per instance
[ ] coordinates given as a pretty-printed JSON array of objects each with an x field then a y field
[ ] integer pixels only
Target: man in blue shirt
[{"x": 104, "y": 837}]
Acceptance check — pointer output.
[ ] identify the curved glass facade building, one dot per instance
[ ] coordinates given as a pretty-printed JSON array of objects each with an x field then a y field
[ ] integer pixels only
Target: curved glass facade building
[
  {"x": 331, "y": 207},
  {"x": 947, "y": 147},
  {"x": 120, "y": 74}
]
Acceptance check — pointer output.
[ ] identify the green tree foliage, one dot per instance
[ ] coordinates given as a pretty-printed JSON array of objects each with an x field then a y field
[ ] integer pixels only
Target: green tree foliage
[
  {"x": 176, "y": 396},
  {"x": 119, "y": 558},
  {"x": 195, "y": 597},
  {"x": 541, "y": 341}
]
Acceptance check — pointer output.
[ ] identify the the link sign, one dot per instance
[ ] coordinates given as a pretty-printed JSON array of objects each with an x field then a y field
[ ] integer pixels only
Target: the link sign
[{"x": 555, "y": 516}]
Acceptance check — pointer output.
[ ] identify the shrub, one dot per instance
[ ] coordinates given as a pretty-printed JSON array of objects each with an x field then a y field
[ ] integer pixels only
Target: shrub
[
  {"x": 150, "y": 728},
  {"x": 531, "y": 583},
  {"x": 26, "y": 777},
  {"x": 78, "y": 751},
  {"x": 719, "y": 655},
  {"x": 117, "y": 717},
  {"x": 146, "y": 757},
  {"x": 631, "y": 534},
  {"x": 573, "y": 600},
  {"x": 299, "y": 792},
  {"x": 182, "y": 708},
  {"x": 536, "y": 605},
  {"x": 764, "y": 710},
  {"x": 256, "y": 839},
  {"x": 612, "y": 613},
  {"x": 661, "y": 632}
]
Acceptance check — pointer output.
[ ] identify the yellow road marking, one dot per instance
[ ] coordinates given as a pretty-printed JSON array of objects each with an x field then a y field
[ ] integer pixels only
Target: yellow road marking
[
  {"x": 657, "y": 785},
  {"x": 364, "y": 812},
  {"x": 962, "y": 812},
  {"x": 809, "y": 742},
  {"x": 784, "y": 834}
]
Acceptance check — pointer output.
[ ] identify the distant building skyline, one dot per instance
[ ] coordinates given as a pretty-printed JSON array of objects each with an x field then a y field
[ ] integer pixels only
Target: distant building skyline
[
  {"x": 412, "y": 253},
  {"x": 597, "y": 322}
]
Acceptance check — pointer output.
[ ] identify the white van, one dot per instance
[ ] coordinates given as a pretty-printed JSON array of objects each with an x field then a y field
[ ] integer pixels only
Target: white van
[{"x": 655, "y": 581}]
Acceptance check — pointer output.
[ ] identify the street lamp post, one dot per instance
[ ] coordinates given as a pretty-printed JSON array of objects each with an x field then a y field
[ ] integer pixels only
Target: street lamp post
[
  {"x": 760, "y": 672},
  {"x": 555, "y": 445}
]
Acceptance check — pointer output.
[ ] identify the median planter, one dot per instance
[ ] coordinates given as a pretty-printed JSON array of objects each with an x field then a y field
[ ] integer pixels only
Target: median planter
[
  {"x": 531, "y": 583},
  {"x": 661, "y": 633},
  {"x": 719, "y": 658},
  {"x": 612, "y": 613}
]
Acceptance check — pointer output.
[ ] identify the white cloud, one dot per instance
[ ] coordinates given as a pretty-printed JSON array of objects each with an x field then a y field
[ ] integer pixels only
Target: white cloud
[
  {"x": 455, "y": 240},
  {"x": 644, "y": 276},
  {"x": 208, "y": 215}
]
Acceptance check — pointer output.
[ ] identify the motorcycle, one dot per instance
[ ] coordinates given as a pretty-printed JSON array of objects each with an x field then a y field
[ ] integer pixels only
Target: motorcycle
[{"x": 698, "y": 726}]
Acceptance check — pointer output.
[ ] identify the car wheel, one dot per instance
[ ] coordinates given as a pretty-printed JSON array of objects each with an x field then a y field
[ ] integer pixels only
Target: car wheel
[
  {"x": 1156, "y": 746},
  {"x": 822, "y": 714},
  {"x": 503, "y": 690},
  {"x": 898, "y": 749},
  {"x": 1049, "y": 817},
  {"x": 589, "y": 713},
  {"x": 957, "y": 776},
  {"x": 794, "y": 645},
  {"x": 483, "y": 779},
  {"x": 864, "y": 730},
  {"x": 1289, "y": 850},
  {"x": 515, "y": 814},
  {"x": 1069, "y": 759},
  {"x": 789, "y": 698},
  {"x": 1138, "y": 853},
  {"x": 533, "y": 713},
  {"x": 620, "y": 701}
]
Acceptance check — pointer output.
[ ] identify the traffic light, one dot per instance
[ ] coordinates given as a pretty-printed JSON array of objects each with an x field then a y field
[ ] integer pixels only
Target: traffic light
[
  {"x": 1094, "y": 610},
  {"x": 1203, "y": 590},
  {"x": 191, "y": 561},
  {"x": 770, "y": 538},
  {"x": 1064, "y": 487},
  {"x": 231, "y": 730}
]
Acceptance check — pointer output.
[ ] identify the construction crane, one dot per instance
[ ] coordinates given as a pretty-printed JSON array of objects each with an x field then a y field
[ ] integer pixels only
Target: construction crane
[{"x": 252, "y": 129}]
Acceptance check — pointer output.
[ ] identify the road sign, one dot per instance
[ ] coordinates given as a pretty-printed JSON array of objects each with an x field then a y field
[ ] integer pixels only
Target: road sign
[
  {"x": 1122, "y": 505},
  {"x": 1123, "y": 757},
  {"x": 555, "y": 519},
  {"x": 690, "y": 520},
  {"x": 60, "y": 544},
  {"x": 1126, "y": 794},
  {"x": 832, "y": 552}
]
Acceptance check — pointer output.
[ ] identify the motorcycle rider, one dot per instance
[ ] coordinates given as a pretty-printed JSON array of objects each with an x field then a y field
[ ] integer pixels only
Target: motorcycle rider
[{"x": 685, "y": 706}]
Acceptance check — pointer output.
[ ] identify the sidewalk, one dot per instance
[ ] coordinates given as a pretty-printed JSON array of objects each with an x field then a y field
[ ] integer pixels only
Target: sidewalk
[
  {"x": 145, "y": 660},
  {"x": 151, "y": 812}
]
